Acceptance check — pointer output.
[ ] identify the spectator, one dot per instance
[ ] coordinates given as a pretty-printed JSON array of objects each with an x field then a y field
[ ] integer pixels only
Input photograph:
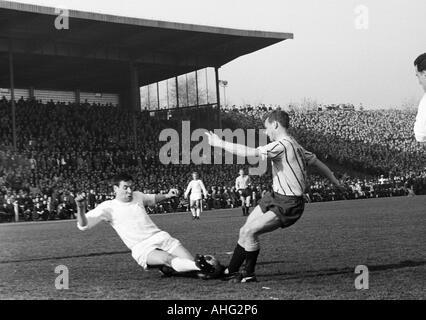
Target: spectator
[{"x": 62, "y": 148}]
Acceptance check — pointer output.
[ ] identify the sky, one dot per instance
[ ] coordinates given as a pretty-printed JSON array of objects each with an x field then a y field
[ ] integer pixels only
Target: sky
[{"x": 343, "y": 51}]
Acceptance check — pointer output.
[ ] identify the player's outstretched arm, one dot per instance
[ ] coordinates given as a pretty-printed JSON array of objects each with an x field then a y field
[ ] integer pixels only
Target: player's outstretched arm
[
  {"x": 80, "y": 201},
  {"x": 326, "y": 172},
  {"x": 420, "y": 137},
  {"x": 161, "y": 197},
  {"x": 88, "y": 220},
  {"x": 185, "y": 195},
  {"x": 234, "y": 148},
  {"x": 203, "y": 188}
]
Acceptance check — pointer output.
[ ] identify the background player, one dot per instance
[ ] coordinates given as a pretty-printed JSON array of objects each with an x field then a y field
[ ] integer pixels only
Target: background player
[
  {"x": 280, "y": 208},
  {"x": 420, "y": 125},
  {"x": 150, "y": 246},
  {"x": 197, "y": 189},
  {"x": 242, "y": 184}
]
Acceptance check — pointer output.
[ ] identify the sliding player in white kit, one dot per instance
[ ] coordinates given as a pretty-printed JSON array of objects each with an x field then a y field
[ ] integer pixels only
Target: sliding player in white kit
[
  {"x": 150, "y": 246},
  {"x": 242, "y": 184},
  {"x": 197, "y": 189}
]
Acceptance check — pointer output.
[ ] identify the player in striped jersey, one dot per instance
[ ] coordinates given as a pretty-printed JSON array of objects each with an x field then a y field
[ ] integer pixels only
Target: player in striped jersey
[
  {"x": 280, "y": 208},
  {"x": 242, "y": 186},
  {"x": 197, "y": 188}
]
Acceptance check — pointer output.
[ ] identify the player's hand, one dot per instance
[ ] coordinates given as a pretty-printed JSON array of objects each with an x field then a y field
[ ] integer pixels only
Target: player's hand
[
  {"x": 341, "y": 187},
  {"x": 173, "y": 193},
  {"x": 214, "y": 139},
  {"x": 80, "y": 199}
]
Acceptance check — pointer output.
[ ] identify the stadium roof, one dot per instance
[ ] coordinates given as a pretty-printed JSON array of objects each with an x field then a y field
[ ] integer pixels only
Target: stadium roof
[{"x": 97, "y": 49}]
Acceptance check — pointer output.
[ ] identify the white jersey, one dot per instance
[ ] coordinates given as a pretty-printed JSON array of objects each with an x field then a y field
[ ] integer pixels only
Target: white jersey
[
  {"x": 129, "y": 219},
  {"x": 420, "y": 125},
  {"x": 196, "y": 187},
  {"x": 242, "y": 182}
]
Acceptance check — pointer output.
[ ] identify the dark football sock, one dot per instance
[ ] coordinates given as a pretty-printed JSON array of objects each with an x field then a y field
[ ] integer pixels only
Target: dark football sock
[
  {"x": 237, "y": 259},
  {"x": 251, "y": 259},
  {"x": 244, "y": 210}
]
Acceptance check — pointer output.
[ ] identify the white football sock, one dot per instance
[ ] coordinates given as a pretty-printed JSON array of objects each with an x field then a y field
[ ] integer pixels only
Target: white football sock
[
  {"x": 193, "y": 212},
  {"x": 183, "y": 265},
  {"x": 198, "y": 212}
]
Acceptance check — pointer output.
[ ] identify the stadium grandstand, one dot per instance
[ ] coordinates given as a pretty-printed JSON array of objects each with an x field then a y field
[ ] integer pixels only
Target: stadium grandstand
[{"x": 78, "y": 105}]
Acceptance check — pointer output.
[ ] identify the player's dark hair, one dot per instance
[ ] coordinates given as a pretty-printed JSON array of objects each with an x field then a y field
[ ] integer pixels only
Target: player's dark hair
[
  {"x": 121, "y": 177},
  {"x": 420, "y": 62},
  {"x": 279, "y": 116}
]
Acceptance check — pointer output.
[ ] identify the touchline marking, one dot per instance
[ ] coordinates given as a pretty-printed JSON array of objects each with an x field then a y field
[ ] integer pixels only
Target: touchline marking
[{"x": 75, "y": 220}]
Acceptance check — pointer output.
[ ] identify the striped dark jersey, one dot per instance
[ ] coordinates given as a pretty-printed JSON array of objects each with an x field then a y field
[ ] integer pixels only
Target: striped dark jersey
[{"x": 289, "y": 163}]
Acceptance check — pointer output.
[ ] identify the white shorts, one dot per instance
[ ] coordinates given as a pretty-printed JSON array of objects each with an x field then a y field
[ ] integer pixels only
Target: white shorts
[
  {"x": 161, "y": 240},
  {"x": 195, "y": 196}
]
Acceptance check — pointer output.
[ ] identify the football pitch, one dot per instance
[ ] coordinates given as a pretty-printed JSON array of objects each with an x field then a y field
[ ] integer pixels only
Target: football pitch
[{"x": 313, "y": 259}]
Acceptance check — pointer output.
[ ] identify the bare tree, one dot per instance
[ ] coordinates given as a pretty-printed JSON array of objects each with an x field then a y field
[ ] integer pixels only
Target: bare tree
[{"x": 187, "y": 93}]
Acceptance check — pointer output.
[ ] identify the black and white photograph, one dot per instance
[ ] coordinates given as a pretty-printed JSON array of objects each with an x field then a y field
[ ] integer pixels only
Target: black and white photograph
[{"x": 232, "y": 152}]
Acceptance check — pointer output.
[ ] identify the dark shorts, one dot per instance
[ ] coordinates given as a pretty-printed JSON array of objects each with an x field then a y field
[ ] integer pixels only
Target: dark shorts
[
  {"x": 287, "y": 208},
  {"x": 244, "y": 193}
]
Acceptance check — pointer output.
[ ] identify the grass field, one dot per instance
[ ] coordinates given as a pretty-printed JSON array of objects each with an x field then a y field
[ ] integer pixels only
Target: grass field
[{"x": 313, "y": 259}]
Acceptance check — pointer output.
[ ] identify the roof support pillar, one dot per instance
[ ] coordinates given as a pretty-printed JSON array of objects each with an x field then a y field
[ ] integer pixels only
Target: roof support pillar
[
  {"x": 31, "y": 93},
  {"x": 158, "y": 96},
  {"x": 177, "y": 92},
  {"x": 12, "y": 94},
  {"x": 135, "y": 94},
  {"x": 135, "y": 99},
  {"x": 77, "y": 96},
  {"x": 216, "y": 73},
  {"x": 196, "y": 87},
  {"x": 167, "y": 89}
]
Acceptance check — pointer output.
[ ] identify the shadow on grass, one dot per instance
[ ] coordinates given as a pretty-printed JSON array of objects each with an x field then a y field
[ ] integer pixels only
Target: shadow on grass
[
  {"x": 338, "y": 271},
  {"x": 95, "y": 254}
]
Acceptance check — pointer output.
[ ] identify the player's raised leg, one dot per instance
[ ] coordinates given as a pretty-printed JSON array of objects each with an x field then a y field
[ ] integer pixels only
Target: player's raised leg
[
  {"x": 248, "y": 246},
  {"x": 209, "y": 271},
  {"x": 239, "y": 254},
  {"x": 249, "y": 235},
  {"x": 256, "y": 213},
  {"x": 182, "y": 252},
  {"x": 159, "y": 258},
  {"x": 180, "y": 261}
]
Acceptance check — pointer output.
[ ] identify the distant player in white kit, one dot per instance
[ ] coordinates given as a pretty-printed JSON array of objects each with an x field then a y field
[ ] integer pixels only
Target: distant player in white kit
[
  {"x": 420, "y": 125},
  {"x": 150, "y": 246},
  {"x": 197, "y": 189},
  {"x": 242, "y": 184}
]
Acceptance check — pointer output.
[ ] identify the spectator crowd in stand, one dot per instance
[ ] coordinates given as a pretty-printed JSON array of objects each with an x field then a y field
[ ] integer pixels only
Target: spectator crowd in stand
[{"x": 66, "y": 148}]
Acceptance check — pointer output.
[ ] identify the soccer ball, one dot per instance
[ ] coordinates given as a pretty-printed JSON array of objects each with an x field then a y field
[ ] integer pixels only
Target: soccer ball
[
  {"x": 212, "y": 260},
  {"x": 175, "y": 192},
  {"x": 217, "y": 266}
]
